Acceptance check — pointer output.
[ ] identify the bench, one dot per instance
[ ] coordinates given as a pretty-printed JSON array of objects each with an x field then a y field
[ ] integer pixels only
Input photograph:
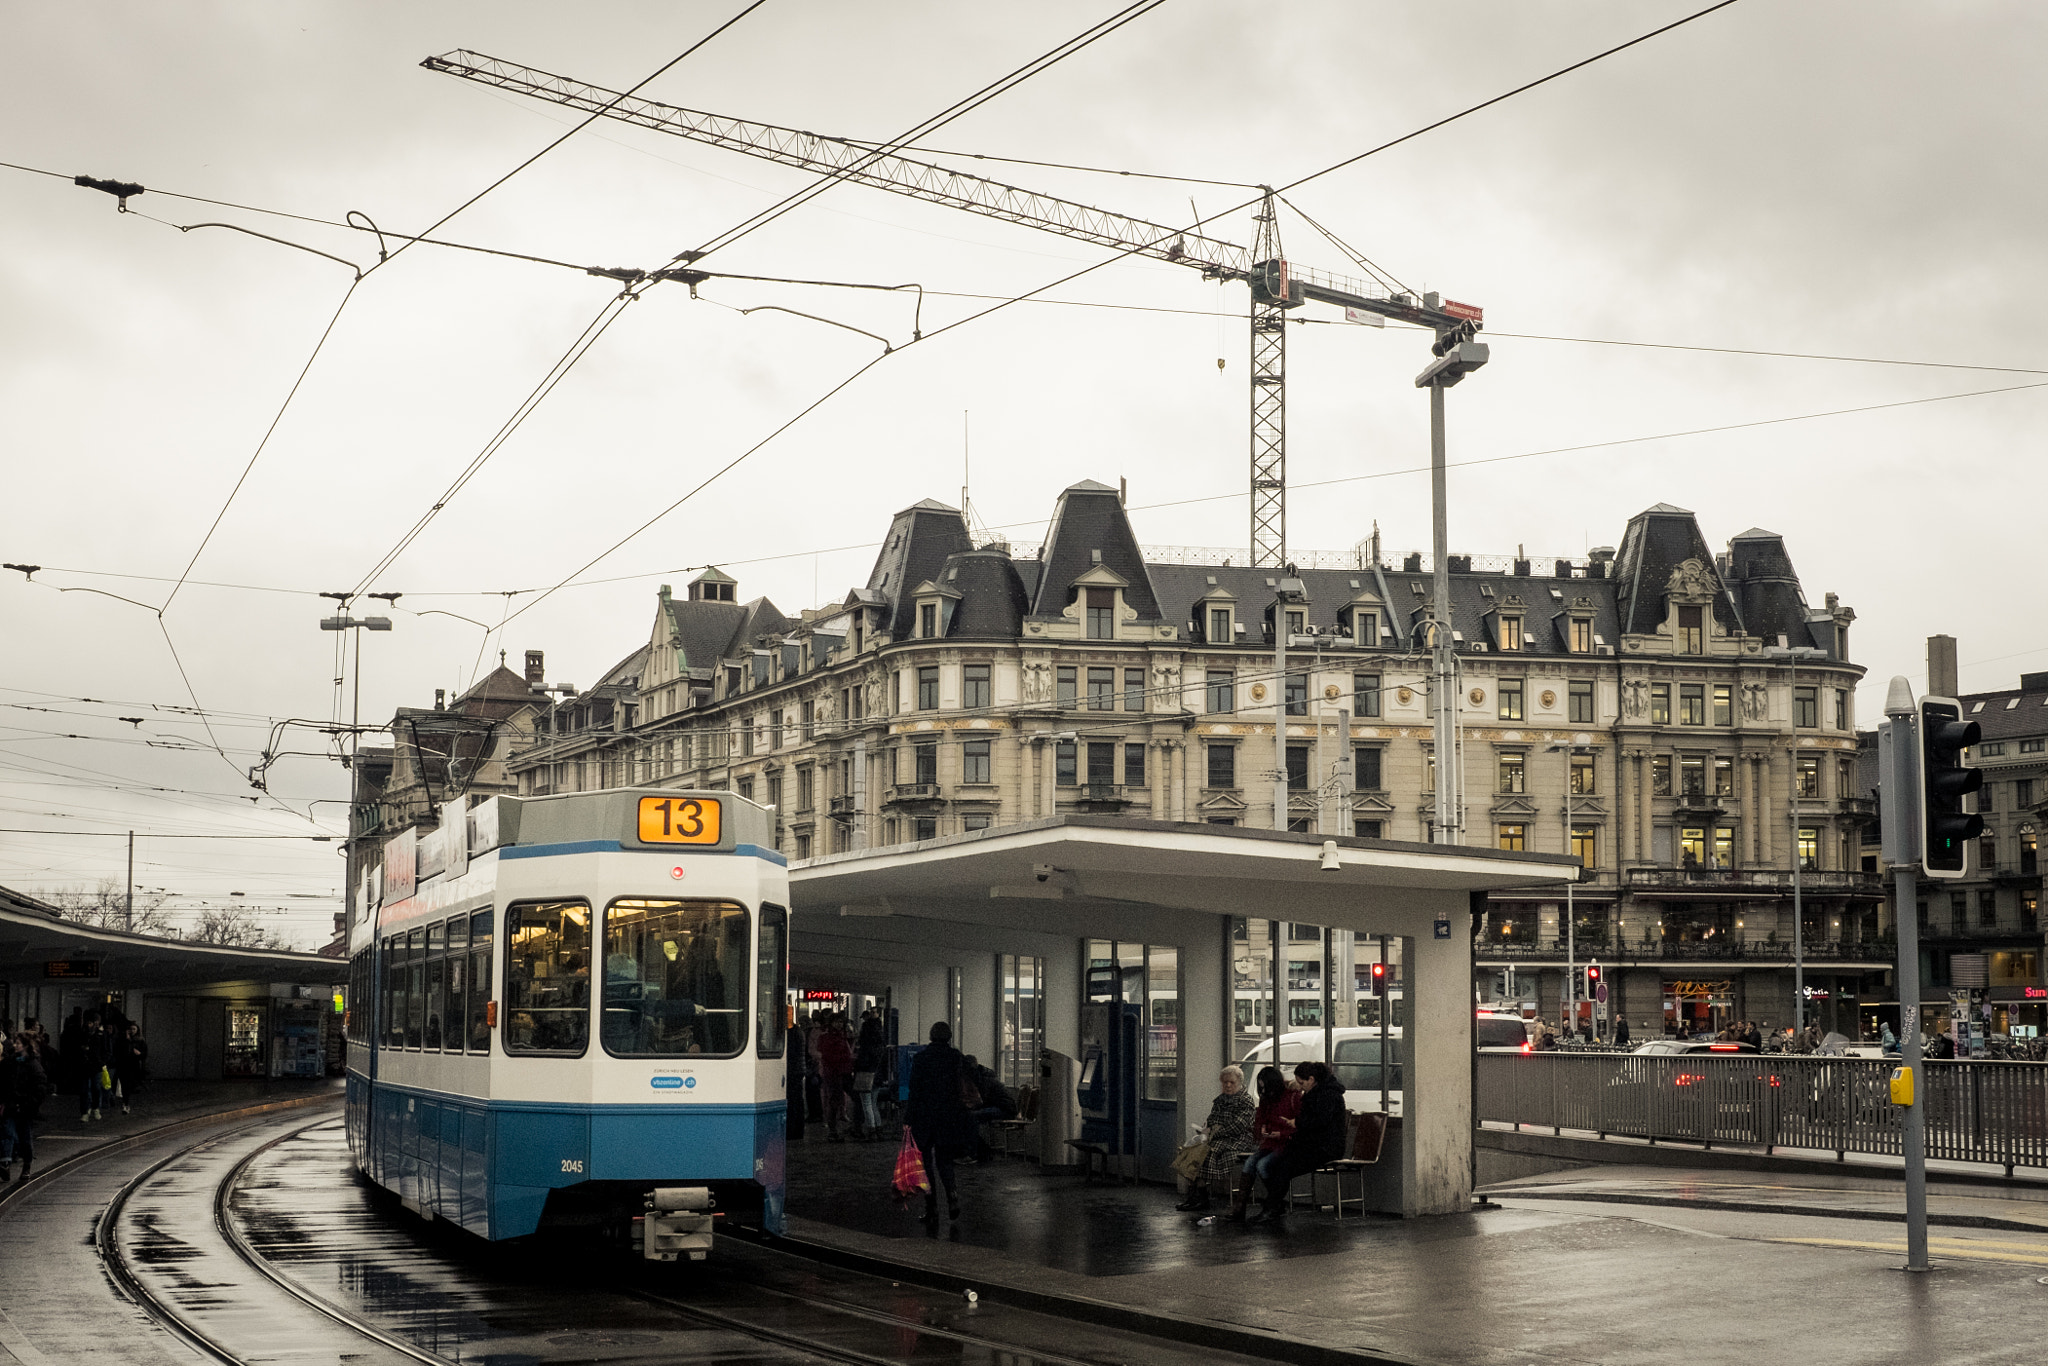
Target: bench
[
  {"x": 1027, "y": 1115},
  {"x": 1368, "y": 1137}
]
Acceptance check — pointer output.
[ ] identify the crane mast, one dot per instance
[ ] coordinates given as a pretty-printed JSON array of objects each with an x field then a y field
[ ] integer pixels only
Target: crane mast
[{"x": 1276, "y": 284}]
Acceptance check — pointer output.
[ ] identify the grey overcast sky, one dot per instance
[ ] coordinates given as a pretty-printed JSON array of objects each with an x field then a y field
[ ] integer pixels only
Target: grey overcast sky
[{"x": 1856, "y": 178}]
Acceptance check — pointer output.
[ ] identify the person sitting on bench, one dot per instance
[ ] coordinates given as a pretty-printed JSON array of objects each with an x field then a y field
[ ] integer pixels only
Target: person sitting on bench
[{"x": 1318, "y": 1138}]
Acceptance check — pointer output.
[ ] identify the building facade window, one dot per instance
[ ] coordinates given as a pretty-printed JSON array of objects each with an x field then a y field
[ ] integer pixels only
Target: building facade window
[
  {"x": 1510, "y": 633},
  {"x": 804, "y": 788},
  {"x": 1841, "y": 709},
  {"x": 1365, "y": 694},
  {"x": 1220, "y": 692},
  {"x": 928, "y": 687},
  {"x": 1660, "y": 775},
  {"x": 925, "y": 828},
  {"x": 2029, "y": 855},
  {"x": 1219, "y": 626},
  {"x": 1101, "y": 763},
  {"x": 1066, "y": 685},
  {"x": 925, "y": 763},
  {"x": 975, "y": 820},
  {"x": 1102, "y": 690},
  {"x": 1807, "y": 776},
  {"x": 1581, "y": 635},
  {"x": 1512, "y": 835},
  {"x": 1222, "y": 765},
  {"x": 1134, "y": 765},
  {"x": 977, "y": 692},
  {"x": 1724, "y": 846},
  {"x": 974, "y": 762},
  {"x": 1692, "y": 846},
  {"x": 1297, "y": 768},
  {"x": 1510, "y": 697},
  {"x": 1366, "y": 830},
  {"x": 1987, "y": 909},
  {"x": 1692, "y": 776},
  {"x": 1579, "y": 701},
  {"x": 1134, "y": 690},
  {"x": 1806, "y": 708},
  {"x": 1365, "y": 768},
  {"x": 2032, "y": 746},
  {"x": 1809, "y": 847},
  {"x": 1101, "y": 614},
  {"x": 1724, "y": 776},
  {"x": 1511, "y": 772},
  {"x": 1660, "y": 704},
  {"x": 1586, "y": 845},
  {"x": 1583, "y": 780},
  {"x": 928, "y": 620},
  {"x": 1692, "y": 704},
  {"x": 1724, "y": 704},
  {"x": 1297, "y": 694},
  {"x": 1987, "y": 854},
  {"x": 1066, "y": 763}
]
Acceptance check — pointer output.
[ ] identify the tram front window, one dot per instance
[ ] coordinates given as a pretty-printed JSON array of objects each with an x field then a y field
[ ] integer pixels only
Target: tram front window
[
  {"x": 547, "y": 977},
  {"x": 675, "y": 978}
]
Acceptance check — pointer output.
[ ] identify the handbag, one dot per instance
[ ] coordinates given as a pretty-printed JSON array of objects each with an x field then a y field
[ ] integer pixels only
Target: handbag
[
  {"x": 910, "y": 1176},
  {"x": 1189, "y": 1161},
  {"x": 864, "y": 1081},
  {"x": 106, "y": 1079},
  {"x": 970, "y": 1094}
]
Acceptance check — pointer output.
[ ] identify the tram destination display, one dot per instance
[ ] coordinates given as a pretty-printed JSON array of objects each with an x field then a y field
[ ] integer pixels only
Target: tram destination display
[{"x": 679, "y": 820}]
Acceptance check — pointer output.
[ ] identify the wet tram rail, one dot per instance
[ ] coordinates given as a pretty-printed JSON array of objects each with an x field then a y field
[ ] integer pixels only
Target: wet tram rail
[{"x": 259, "y": 1243}]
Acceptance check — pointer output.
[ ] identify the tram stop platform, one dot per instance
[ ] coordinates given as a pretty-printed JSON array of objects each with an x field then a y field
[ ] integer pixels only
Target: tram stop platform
[
  {"x": 1607, "y": 1265},
  {"x": 60, "y": 1133}
]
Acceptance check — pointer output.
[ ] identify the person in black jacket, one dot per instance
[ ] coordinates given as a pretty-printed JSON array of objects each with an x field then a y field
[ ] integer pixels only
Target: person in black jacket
[
  {"x": 1318, "y": 1135},
  {"x": 23, "y": 1085},
  {"x": 940, "y": 1121}
]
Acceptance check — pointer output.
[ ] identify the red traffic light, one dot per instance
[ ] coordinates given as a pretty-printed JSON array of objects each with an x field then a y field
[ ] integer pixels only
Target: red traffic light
[
  {"x": 1379, "y": 979},
  {"x": 1593, "y": 973}
]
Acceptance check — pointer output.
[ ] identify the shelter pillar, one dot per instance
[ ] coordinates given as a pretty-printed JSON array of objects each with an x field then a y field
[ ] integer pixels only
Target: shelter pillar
[{"x": 1436, "y": 1141}]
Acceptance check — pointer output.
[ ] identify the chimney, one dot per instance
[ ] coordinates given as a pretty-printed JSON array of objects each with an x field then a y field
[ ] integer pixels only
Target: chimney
[
  {"x": 440, "y": 699},
  {"x": 536, "y": 669},
  {"x": 1941, "y": 665}
]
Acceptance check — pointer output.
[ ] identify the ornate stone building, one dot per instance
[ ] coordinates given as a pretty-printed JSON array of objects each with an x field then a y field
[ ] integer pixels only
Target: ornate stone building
[{"x": 1628, "y": 707}]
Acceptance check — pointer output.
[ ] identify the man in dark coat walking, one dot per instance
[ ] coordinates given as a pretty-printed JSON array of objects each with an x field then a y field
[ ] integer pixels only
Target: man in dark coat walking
[
  {"x": 23, "y": 1086},
  {"x": 940, "y": 1120}
]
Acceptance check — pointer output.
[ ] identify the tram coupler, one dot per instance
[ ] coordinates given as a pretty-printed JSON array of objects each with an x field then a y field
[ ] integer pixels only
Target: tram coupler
[{"x": 678, "y": 1221}]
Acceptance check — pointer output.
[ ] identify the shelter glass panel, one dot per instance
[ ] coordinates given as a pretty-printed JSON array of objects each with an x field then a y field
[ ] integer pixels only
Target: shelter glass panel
[{"x": 1162, "y": 1022}]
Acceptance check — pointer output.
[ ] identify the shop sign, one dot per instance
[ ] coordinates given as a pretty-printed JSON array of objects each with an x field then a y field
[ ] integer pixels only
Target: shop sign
[
  {"x": 2036, "y": 993},
  {"x": 815, "y": 994},
  {"x": 1724, "y": 987},
  {"x": 73, "y": 969}
]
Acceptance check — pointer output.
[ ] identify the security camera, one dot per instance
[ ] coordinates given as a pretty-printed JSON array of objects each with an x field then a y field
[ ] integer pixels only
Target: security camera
[{"x": 1043, "y": 871}]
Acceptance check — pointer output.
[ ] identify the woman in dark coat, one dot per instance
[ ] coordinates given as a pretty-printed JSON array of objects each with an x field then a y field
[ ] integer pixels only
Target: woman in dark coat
[
  {"x": 939, "y": 1118},
  {"x": 1318, "y": 1138},
  {"x": 1228, "y": 1132},
  {"x": 23, "y": 1085}
]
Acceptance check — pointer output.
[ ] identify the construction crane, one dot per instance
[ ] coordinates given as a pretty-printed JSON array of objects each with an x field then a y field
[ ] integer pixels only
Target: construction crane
[{"x": 1277, "y": 285}]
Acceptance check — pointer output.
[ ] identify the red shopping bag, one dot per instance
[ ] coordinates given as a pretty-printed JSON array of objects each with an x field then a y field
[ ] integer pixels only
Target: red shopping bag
[{"x": 910, "y": 1177}]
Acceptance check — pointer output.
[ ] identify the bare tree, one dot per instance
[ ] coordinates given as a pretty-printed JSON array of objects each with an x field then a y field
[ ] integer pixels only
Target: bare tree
[
  {"x": 105, "y": 907},
  {"x": 236, "y": 925}
]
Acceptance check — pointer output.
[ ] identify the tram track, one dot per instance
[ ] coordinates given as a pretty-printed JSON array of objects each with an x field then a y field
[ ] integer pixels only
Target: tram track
[{"x": 185, "y": 1239}]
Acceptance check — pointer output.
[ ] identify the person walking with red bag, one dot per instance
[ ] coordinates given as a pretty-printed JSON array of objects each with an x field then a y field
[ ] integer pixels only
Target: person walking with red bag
[{"x": 940, "y": 1117}]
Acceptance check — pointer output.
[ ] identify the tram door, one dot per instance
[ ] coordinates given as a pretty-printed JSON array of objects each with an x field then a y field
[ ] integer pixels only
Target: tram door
[{"x": 1111, "y": 1039}]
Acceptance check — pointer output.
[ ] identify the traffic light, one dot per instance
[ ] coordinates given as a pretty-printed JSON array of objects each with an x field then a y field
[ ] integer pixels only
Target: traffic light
[
  {"x": 1379, "y": 979},
  {"x": 1946, "y": 828},
  {"x": 1592, "y": 977}
]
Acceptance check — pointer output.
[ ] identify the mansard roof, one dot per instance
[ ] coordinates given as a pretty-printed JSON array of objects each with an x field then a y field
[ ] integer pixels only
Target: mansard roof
[
  {"x": 992, "y": 600},
  {"x": 1759, "y": 572},
  {"x": 1088, "y": 519},
  {"x": 1658, "y": 541},
  {"x": 921, "y": 538},
  {"x": 706, "y": 632}
]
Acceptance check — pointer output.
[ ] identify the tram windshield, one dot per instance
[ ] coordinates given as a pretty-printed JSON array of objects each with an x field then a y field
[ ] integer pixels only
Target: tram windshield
[
  {"x": 547, "y": 977},
  {"x": 675, "y": 978}
]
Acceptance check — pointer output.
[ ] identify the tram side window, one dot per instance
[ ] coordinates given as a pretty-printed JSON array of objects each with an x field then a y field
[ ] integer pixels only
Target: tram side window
[
  {"x": 771, "y": 979},
  {"x": 547, "y": 977},
  {"x": 415, "y": 987},
  {"x": 394, "y": 991},
  {"x": 479, "y": 982},
  {"x": 453, "y": 1028},
  {"x": 437, "y": 985},
  {"x": 675, "y": 978}
]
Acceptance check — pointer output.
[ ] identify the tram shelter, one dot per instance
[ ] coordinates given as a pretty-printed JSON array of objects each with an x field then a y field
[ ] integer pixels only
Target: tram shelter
[
  {"x": 939, "y": 927},
  {"x": 209, "y": 1011}
]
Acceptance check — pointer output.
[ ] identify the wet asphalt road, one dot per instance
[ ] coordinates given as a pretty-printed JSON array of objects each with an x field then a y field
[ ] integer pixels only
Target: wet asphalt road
[{"x": 300, "y": 1205}]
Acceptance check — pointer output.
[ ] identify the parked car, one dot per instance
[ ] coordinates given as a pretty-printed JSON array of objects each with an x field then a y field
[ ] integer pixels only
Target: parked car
[{"x": 1357, "y": 1062}]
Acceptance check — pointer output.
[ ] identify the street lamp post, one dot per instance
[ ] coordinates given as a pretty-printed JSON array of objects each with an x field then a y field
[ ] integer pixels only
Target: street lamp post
[
  {"x": 1457, "y": 356},
  {"x": 1571, "y": 969},
  {"x": 1790, "y": 656},
  {"x": 346, "y": 622}
]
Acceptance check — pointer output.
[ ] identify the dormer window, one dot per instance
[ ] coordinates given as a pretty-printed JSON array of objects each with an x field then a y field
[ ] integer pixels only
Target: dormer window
[
  {"x": 1692, "y": 630},
  {"x": 1101, "y": 609},
  {"x": 1294, "y": 623},
  {"x": 1365, "y": 626},
  {"x": 1510, "y": 633},
  {"x": 928, "y": 620},
  {"x": 1581, "y": 635},
  {"x": 1219, "y": 625}
]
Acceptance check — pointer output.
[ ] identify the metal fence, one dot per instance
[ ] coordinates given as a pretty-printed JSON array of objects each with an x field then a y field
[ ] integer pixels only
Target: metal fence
[{"x": 1994, "y": 1112}]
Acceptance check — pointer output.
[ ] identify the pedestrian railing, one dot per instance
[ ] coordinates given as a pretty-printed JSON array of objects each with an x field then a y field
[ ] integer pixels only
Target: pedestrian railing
[{"x": 1993, "y": 1112}]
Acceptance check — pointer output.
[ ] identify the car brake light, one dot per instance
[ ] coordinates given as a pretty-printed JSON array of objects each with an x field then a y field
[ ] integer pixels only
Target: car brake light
[
  {"x": 1724, "y": 1048},
  {"x": 1527, "y": 1047}
]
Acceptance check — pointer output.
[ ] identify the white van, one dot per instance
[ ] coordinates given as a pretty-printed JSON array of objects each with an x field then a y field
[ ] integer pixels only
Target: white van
[{"x": 1357, "y": 1063}]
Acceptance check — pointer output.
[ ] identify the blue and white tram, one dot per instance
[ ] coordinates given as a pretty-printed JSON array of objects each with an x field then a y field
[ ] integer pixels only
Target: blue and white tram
[{"x": 569, "y": 1011}]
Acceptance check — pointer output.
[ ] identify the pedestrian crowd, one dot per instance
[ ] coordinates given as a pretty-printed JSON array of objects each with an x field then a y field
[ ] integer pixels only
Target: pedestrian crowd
[{"x": 99, "y": 1055}]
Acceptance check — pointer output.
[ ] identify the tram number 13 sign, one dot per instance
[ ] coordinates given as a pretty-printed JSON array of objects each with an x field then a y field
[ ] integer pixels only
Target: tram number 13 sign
[{"x": 679, "y": 820}]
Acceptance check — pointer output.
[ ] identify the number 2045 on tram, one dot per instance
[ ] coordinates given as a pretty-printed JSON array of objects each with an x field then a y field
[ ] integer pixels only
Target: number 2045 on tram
[{"x": 569, "y": 1012}]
